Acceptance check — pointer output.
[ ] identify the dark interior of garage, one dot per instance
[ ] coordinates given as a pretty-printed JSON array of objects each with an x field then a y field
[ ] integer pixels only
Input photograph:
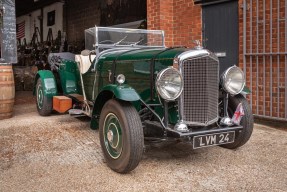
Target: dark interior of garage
[{"x": 44, "y": 35}]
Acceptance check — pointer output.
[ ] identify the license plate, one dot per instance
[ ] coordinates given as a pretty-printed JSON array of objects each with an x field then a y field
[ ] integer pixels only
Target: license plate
[{"x": 213, "y": 139}]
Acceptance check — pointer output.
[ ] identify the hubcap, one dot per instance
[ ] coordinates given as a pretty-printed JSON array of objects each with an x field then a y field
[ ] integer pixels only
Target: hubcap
[
  {"x": 113, "y": 135},
  {"x": 110, "y": 136},
  {"x": 40, "y": 97}
]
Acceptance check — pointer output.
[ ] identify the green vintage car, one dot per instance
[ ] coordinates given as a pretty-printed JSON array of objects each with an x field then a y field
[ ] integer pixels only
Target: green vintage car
[{"x": 135, "y": 89}]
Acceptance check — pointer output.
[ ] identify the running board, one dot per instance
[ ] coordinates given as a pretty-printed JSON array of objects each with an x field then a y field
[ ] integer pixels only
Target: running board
[{"x": 77, "y": 113}]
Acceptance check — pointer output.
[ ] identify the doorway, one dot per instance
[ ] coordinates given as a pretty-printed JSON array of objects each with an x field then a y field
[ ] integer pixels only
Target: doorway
[{"x": 220, "y": 31}]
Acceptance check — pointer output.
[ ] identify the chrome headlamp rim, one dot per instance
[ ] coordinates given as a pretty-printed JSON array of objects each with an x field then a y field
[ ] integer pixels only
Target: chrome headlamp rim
[
  {"x": 121, "y": 79},
  {"x": 159, "y": 76},
  {"x": 224, "y": 76}
]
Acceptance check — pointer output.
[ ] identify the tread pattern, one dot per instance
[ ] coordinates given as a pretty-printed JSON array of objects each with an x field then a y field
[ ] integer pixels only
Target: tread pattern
[
  {"x": 47, "y": 102},
  {"x": 133, "y": 136},
  {"x": 136, "y": 136}
]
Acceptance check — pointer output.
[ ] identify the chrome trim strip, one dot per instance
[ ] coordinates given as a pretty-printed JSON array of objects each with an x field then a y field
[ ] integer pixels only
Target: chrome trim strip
[{"x": 195, "y": 53}]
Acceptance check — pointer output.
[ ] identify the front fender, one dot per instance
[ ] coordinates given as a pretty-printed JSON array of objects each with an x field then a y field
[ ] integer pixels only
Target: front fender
[
  {"x": 48, "y": 81},
  {"x": 121, "y": 92}
]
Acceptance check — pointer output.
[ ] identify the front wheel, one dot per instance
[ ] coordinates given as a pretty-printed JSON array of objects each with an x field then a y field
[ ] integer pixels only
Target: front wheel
[
  {"x": 121, "y": 136},
  {"x": 44, "y": 103},
  {"x": 247, "y": 121}
]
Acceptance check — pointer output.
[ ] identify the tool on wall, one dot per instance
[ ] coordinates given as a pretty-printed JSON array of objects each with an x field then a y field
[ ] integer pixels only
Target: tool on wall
[
  {"x": 36, "y": 36},
  {"x": 50, "y": 35}
]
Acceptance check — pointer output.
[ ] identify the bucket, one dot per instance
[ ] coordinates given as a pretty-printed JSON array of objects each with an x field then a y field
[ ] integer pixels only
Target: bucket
[{"x": 7, "y": 91}]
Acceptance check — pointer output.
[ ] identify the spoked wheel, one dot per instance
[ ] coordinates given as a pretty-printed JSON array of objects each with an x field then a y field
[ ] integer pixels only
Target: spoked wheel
[
  {"x": 44, "y": 104},
  {"x": 121, "y": 136},
  {"x": 247, "y": 121}
]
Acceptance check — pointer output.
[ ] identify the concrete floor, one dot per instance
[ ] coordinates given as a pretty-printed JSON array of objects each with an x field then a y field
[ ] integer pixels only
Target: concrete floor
[{"x": 61, "y": 153}]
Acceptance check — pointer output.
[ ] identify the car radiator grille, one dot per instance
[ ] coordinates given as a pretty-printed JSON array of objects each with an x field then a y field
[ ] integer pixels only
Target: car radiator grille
[{"x": 199, "y": 100}]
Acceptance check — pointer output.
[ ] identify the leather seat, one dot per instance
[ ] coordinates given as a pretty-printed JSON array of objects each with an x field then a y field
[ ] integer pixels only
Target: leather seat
[{"x": 84, "y": 62}]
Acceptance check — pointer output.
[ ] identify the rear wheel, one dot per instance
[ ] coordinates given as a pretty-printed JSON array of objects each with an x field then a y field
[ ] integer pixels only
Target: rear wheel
[
  {"x": 247, "y": 121},
  {"x": 121, "y": 136},
  {"x": 44, "y": 103}
]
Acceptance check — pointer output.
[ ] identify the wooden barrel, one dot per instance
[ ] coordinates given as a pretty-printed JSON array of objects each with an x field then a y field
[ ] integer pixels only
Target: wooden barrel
[{"x": 7, "y": 91}]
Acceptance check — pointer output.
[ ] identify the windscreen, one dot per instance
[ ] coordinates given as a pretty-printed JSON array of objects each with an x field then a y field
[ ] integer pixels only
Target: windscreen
[
  {"x": 90, "y": 38},
  {"x": 106, "y": 37}
]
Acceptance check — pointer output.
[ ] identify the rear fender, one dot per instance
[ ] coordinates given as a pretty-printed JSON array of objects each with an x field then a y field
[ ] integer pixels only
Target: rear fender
[
  {"x": 70, "y": 77},
  {"x": 48, "y": 81}
]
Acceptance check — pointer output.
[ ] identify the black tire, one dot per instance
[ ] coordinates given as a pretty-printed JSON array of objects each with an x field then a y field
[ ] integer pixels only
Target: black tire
[
  {"x": 247, "y": 121},
  {"x": 121, "y": 136},
  {"x": 44, "y": 103}
]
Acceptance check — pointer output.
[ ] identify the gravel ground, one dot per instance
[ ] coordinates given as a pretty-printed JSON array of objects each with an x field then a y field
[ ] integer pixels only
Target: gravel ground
[{"x": 61, "y": 153}]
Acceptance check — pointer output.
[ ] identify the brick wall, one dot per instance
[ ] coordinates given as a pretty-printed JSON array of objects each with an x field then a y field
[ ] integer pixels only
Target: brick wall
[
  {"x": 180, "y": 19},
  {"x": 265, "y": 74},
  {"x": 84, "y": 14},
  {"x": 81, "y": 15},
  {"x": 182, "y": 22}
]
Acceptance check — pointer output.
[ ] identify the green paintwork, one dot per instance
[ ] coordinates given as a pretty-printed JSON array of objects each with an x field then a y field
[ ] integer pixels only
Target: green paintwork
[
  {"x": 173, "y": 114},
  {"x": 94, "y": 123},
  {"x": 90, "y": 88},
  {"x": 48, "y": 81},
  {"x": 135, "y": 65},
  {"x": 122, "y": 92},
  {"x": 113, "y": 136},
  {"x": 143, "y": 54},
  {"x": 69, "y": 76},
  {"x": 102, "y": 98},
  {"x": 246, "y": 91}
]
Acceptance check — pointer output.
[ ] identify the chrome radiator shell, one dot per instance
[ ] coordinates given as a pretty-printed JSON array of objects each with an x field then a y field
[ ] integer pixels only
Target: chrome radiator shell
[{"x": 198, "y": 103}]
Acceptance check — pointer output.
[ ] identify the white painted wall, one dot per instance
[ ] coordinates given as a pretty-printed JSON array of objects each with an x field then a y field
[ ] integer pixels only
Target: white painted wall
[
  {"x": 32, "y": 20},
  {"x": 58, "y": 7}
]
